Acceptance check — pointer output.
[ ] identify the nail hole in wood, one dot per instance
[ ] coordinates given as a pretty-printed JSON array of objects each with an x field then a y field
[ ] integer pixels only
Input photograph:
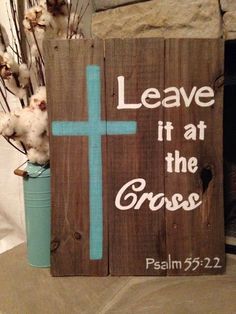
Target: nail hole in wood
[{"x": 56, "y": 47}]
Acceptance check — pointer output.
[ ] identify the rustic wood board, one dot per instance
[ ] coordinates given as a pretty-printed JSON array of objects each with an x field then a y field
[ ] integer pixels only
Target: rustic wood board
[
  {"x": 98, "y": 148},
  {"x": 66, "y": 82},
  {"x": 134, "y": 235},
  {"x": 196, "y": 235}
]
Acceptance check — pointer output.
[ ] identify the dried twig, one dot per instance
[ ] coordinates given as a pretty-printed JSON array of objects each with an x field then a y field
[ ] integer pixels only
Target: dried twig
[
  {"x": 80, "y": 18},
  {"x": 13, "y": 145},
  {"x": 36, "y": 43},
  {"x": 15, "y": 22},
  {"x": 3, "y": 109},
  {"x": 68, "y": 22},
  {"x": 76, "y": 10},
  {"x": 5, "y": 99}
]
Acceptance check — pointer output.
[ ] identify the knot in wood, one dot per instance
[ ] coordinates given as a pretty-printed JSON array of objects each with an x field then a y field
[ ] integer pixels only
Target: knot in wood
[
  {"x": 77, "y": 235},
  {"x": 206, "y": 177},
  {"x": 219, "y": 82},
  {"x": 55, "y": 245}
]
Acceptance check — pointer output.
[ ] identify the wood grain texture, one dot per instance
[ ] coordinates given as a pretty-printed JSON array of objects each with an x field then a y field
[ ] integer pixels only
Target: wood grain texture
[
  {"x": 198, "y": 233},
  {"x": 66, "y": 88},
  {"x": 134, "y": 235}
]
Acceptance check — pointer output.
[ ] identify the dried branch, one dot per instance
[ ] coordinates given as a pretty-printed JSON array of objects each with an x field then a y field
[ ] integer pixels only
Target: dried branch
[
  {"x": 5, "y": 99},
  {"x": 36, "y": 43},
  {"x": 13, "y": 145},
  {"x": 80, "y": 19},
  {"x": 15, "y": 21},
  {"x": 68, "y": 21},
  {"x": 23, "y": 44},
  {"x": 3, "y": 109}
]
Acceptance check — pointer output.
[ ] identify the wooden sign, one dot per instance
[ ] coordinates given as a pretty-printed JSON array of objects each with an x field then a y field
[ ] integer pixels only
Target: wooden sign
[{"x": 136, "y": 156}]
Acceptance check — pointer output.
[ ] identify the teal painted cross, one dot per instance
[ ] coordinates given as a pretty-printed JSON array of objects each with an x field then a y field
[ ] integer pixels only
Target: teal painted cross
[{"x": 94, "y": 128}]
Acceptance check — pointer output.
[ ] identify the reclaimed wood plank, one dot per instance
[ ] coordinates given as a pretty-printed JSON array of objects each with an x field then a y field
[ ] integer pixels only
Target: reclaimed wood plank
[
  {"x": 134, "y": 235},
  {"x": 196, "y": 234},
  {"x": 68, "y": 101}
]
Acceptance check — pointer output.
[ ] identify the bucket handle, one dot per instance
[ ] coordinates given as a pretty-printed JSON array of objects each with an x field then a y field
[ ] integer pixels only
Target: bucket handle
[
  {"x": 37, "y": 174},
  {"x": 24, "y": 173},
  {"x": 20, "y": 172}
]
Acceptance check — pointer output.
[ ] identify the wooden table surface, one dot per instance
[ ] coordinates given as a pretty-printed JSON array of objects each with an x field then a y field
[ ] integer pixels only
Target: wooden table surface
[{"x": 27, "y": 290}]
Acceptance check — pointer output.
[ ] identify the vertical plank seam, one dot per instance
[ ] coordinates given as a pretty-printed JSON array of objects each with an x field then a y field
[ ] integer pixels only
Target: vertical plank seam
[
  {"x": 106, "y": 211},
  {"x": 164, "y": 151}
]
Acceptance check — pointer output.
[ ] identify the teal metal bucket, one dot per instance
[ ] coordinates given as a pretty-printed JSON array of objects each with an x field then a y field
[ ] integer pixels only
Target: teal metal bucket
[{"x": 37, "y": 198}]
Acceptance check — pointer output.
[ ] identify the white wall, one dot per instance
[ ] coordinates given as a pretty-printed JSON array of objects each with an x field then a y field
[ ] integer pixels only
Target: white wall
[{"x": 12, "y": 228}]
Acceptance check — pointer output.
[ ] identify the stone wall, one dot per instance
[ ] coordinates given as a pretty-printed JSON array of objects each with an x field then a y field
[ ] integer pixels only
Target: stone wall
[
  {"x": 229, "y": 18},
  {"x": 164, "y": 18}
]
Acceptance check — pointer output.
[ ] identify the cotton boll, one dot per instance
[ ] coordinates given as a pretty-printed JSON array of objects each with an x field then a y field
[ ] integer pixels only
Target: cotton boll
[
  {"x": 5, "y": 70},
  {"x": 59, "y": 11},
  {"x": 38, "y": 18},
  {"x": 42, "y": 144},
  {"x": 39, "y": 153},
  {"x": 9, "y": 69},
  {"x": 10, "y": 63},
  {"x": 39, "y": 157},
  {"x": 39, "y": 99},
  {"x": 24, "y": 75},
  {"x": 7, "y": 124},
  {"x": 57, "y": 7},
  {"x": 31, "y": 128},
  {"x": 39, "y": 125},
  {"x": 15, "y": 77},
  {"x": 31, "y": 17},
  {"x": 45, "y": 20},
  {"x": 32, "y": 122},
  {"x": 24, "y": 121}
]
